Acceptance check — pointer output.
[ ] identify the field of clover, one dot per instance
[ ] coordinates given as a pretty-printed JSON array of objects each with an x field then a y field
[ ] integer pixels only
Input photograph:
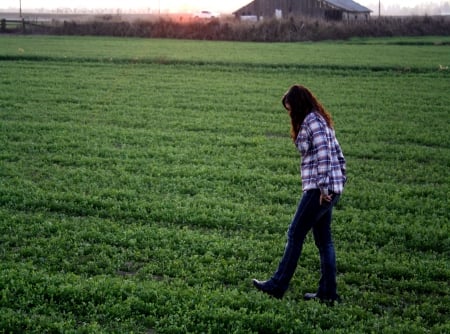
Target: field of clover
[{"x": 144, "y": 183}]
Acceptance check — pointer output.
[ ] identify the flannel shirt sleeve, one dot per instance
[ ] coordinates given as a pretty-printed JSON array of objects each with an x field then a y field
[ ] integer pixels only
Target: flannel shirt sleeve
[
  {"x": 341, "y": 159},
  {"x": 323, "y": 147}
]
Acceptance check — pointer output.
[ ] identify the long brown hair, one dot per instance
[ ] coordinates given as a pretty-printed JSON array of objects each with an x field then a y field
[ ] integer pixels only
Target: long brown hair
[{"x": 302, "y": 102}]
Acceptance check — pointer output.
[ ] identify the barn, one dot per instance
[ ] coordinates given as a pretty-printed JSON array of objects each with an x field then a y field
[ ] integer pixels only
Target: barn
[{"x": 347, "y": 10}]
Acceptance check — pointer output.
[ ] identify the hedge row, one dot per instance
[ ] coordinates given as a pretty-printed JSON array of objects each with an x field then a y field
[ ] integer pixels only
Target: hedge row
[{"x": 289, "y": 30}]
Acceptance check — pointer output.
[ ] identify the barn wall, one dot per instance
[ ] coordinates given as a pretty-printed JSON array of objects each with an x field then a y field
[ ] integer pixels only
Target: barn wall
[
  {"x": 314, "y": 8},
  {"x": 266, "y": 8},
  {"x": 355, "y": 16}
]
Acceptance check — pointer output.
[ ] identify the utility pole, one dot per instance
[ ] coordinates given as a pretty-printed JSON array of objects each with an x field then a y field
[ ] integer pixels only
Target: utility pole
[
  {"x": 20, "y": 8},
  {"x": 379, "y": 8}
]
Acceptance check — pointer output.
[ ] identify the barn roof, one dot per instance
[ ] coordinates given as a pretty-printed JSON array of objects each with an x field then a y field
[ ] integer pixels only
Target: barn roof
[{"x": 348, "y": 5}]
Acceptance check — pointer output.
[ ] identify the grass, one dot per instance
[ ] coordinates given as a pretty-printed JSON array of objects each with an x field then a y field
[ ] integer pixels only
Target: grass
[
  {"x": 414, "y": 53},
  {"x": 145, "y": 182}
]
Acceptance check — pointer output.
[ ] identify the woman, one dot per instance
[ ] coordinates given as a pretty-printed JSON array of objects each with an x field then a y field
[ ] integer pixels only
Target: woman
[{"x": 323, "y": 178}]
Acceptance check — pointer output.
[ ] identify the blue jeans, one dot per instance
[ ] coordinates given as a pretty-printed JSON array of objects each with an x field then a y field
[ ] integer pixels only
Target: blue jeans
[{"x": 310, "y": 215}]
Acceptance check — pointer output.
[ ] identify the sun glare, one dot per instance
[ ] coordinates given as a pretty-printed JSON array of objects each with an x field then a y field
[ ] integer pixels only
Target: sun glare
[
  {"x": 184, "y": 8},
  {"x": 163, "y": 6}
]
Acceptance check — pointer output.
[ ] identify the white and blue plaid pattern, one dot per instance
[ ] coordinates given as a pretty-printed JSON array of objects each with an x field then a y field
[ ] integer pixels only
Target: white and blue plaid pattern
[{"x": 323, "y": 164}]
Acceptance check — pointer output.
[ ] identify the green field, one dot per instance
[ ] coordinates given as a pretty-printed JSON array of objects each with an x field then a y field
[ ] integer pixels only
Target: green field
[{"x": 144, "y": 183}]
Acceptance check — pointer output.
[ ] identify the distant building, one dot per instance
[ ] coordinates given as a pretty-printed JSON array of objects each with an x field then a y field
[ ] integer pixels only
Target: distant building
[{"x": 347, "y": 10}]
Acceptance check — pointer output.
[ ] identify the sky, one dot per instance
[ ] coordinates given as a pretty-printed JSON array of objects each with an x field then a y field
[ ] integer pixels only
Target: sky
[{"x": 174, "y": 6}]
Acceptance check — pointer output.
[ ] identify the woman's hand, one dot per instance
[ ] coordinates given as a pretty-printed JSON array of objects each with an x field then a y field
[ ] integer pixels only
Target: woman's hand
[{"x": 325, "y": 198}]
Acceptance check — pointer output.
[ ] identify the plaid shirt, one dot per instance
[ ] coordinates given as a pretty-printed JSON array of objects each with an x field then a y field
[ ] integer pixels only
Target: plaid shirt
[{"x": 323, "y": 163}]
